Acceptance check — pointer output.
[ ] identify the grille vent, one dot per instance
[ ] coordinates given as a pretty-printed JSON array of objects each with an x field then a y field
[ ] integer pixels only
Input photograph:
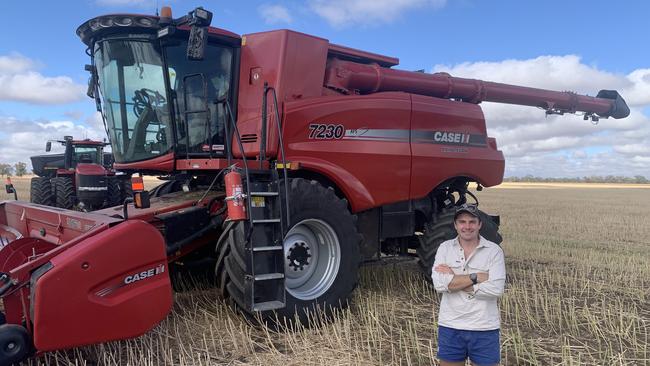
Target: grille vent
[{"x": 248, "y": 138}]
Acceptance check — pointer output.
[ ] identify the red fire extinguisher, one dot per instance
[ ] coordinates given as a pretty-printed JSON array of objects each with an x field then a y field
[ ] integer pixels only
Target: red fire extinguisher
[{"x": 235, "y": 196}]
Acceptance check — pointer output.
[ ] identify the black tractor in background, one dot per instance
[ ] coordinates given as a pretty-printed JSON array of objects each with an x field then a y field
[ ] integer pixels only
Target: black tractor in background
[{"x": 81, "y": 178}]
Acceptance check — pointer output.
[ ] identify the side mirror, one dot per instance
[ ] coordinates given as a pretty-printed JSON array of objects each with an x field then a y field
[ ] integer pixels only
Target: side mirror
[{"x": 48, "y": 146}]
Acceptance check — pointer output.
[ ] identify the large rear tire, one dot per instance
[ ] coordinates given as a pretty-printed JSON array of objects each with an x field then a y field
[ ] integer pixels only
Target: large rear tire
[
  {"x": 114, "y": 192},
  {"x": 126, "y": 190},
  {"x": 321, "y": 251},
  {"x": 441, "y": 228},
  {"x": 65, "y": 194},
  {"x": 41, "y": 191}
]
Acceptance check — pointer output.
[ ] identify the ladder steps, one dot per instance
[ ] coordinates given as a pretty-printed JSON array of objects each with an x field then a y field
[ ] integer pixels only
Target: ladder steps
[
  {"x": 265, "y": 221},
  {"x": 264, "y": 194},
  {"x": 265, "y": 285},
  {"x": 268, "y": 305},
  {"x": 267, "y": 248},
  {"x": 269, "y": 276}
]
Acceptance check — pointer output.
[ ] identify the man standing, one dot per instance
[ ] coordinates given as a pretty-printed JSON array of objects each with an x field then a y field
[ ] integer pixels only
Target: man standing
[{"x": 470, "y": 273}]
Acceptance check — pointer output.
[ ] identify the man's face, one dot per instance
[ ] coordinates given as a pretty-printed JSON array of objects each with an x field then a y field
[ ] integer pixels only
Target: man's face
[{"x": 467, "y": 226}]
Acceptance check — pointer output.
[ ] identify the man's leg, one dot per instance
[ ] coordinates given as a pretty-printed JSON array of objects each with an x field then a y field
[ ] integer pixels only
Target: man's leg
[
  {"x": 452, "y": 347},
  {"x": 445, "y": 363},
  {"x": 484, "y": 348}
]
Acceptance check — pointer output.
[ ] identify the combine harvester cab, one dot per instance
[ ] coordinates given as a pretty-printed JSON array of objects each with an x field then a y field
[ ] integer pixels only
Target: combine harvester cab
[{"x": 71, "y": 279}]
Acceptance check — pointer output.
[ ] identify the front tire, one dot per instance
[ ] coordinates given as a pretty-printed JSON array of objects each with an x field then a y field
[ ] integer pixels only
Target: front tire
[
  {"x": 321, "y": 254},
  {"x": 441, "y": 228}
]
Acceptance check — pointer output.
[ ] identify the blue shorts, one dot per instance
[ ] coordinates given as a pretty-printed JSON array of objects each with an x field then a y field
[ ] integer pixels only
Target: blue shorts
[{"x": 480, "y": 346}]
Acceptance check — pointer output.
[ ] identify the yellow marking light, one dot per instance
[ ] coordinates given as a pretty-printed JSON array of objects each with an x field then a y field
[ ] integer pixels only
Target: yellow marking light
[{"x": 166, "y": 12}]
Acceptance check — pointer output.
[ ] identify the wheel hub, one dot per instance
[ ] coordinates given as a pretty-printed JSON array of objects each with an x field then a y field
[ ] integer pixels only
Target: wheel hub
[{"x": 299, "y": 255}]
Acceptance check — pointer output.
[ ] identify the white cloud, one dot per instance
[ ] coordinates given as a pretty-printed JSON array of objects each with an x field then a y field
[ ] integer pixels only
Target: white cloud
[
  {"x": 21, "y": 139},
  {"x": 633, "y": 149},
  {"x": 15, "y": 63},
  {"x": 559, "y": 146},
  {"x": 274, "y": 14},
  {"x": 639, "y": 92},
  {"x": 547, "y": 72},
  {"x": 344, "y": 13},
  {"x": 21, "y": 83}
]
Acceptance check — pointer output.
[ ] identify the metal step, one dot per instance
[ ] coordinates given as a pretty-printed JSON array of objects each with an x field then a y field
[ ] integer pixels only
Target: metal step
[
  {"x": 266, "y": 221},
  {"x": 268, "y": 305},
  {"x": 267, "y": 248},
  {"x": 269, "y": 276},
  {"x": 264, "y": 194}
]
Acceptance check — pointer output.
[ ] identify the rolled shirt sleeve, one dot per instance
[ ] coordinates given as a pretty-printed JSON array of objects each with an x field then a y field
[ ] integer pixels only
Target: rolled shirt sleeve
[
  {"x": 441, "y": 280},
  {"x": 493, "y": 287}
]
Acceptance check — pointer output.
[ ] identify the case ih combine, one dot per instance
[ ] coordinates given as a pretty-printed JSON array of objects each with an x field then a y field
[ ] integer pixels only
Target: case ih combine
[
  {"x": 294, "y": 160},
  {"x": 81, "y": 178}
]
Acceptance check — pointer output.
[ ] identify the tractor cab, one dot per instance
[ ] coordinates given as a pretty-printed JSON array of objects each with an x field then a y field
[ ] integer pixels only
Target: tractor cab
[
  {"x": 162, "y": 97},
  {"x": 81, "y": 151}
]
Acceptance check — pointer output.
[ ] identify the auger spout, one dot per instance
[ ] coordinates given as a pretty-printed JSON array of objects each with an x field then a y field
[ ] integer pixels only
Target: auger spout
[{"x": 351, "y": 77}]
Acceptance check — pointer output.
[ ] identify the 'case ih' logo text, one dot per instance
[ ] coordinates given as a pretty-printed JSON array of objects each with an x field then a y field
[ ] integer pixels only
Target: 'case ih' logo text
[
  {"x": 144, "y": 274},
  {"x": 453, "y": 137}
]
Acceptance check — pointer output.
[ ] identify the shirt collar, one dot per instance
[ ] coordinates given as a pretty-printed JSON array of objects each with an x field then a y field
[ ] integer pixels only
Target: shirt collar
[{"x": 482, "y": 242}]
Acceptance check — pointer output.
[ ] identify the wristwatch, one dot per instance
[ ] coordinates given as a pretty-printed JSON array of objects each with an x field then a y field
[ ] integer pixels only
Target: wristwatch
[{"x": 474, "y": 278}]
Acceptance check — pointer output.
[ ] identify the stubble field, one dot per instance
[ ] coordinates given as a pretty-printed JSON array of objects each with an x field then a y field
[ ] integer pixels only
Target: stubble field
[{"x": 578, "y": 293}]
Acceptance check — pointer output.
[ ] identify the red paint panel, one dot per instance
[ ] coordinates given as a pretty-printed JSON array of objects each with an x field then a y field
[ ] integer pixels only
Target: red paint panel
[
  {"x": 164, "y": 163},
  {"x": 434, "y": 162},
  {"x": 371, "y": 161},
  {"x": 292, "y": 63},
  {"x": 90, "y": 295},
  {"x": 51, "y": 224},
  {"x": 90, "y": 169},
  {"x": 213, "y": 164}
]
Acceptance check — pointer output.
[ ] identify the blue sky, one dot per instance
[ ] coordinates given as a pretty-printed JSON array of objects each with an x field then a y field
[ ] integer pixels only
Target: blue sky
[{"x": 565, "y": 45}]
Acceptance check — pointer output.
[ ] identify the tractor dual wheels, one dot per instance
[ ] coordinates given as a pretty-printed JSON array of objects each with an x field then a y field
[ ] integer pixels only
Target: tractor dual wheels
[
  {"x": 64, "y": 193},
  {"x": 321, "y": 254},
  {"x": 41, "y": 191},
  {"x": 441, "y": 228}
]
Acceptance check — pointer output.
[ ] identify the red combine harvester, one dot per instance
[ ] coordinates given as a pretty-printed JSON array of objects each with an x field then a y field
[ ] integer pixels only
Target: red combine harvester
[
  {"x": 293, "y": 160},
  {"x": 81, "y": 178}
]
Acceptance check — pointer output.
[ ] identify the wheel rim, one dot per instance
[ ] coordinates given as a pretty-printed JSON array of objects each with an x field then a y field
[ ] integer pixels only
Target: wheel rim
[{"x": 312, "y": 256}]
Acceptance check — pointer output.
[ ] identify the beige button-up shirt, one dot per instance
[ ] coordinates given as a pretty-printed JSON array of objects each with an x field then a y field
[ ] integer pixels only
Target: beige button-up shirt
[{"x": 477, "y": 310}]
